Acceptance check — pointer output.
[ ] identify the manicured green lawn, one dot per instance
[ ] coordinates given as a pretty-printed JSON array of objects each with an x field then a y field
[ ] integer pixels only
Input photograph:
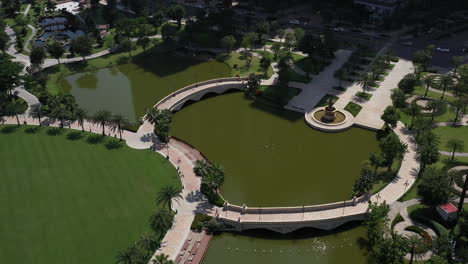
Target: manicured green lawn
[
  {"x": 447, "y": 133},
  {"x": 70, "y": 201},
  {"x": 238, "y": 65},
  {"x": 353, "y": 108}
]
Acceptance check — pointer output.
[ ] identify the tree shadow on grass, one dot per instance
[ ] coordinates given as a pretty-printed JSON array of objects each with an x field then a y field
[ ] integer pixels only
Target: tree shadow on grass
[
  {"x": 75, "y": 135},
  {"x": 9, "y": 129},
  {"x": 113, "y": 144},
  {"x": 95, "y": 139},
  {"x": 55, "y": 131},
  {"x": 32, "y": 130}
]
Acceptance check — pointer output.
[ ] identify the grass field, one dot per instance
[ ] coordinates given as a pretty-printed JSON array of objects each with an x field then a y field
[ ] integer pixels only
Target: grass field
[
  {"x": 447, "y": 133},
  {"x": 70, "y": 201}
]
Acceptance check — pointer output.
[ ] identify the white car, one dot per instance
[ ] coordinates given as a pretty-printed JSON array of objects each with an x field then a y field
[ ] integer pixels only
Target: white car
[
  {"x": 339, "y": 29},
  {"x": 443, "y": 49},
  {"x": 407, "y": 43},
  {"x": 295, "y": 22}
]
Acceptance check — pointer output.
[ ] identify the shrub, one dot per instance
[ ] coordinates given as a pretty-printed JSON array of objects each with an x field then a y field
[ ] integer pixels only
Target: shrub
[
  {"x": 199, "y": 221},
  {"x": 353, "y": 108},
  {"x": 427, "y": 238}
]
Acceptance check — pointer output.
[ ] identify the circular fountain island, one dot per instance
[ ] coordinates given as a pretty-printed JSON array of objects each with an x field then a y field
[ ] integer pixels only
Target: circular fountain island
[{"x": 329, "y": 118}]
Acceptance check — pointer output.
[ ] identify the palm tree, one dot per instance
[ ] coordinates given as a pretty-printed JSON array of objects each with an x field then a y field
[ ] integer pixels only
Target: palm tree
[
  {"x": 161, "y": 220},
  {"x": 59, "y": 112},
  {"x": 102, "y": 118},
  {"x": 149, "y": 243},
  {"x": 457, "y": 61},
  {"x": 15, "y": 108},
  {"x": 414, "y": 110},
  {"x": 445, "y": 81},
  {"x": 428, "y": 80},
  {"x": 162, "y": 259},
  {"x": 81, "y": 115},
  {"x": 129, "y": 255},
  {"x": 458, "y": 107},
  {"x": 36, "y": 112},
  {"x": 377, "y": 161},
  {"x": 167, "y": 194},
  {"x": 455, "y": 145},
  {"x": 417, "y": 246},
  {"x": 117, "y": 122},
  {"x": 434, "y": 105},
  {"x": 364, "y": 80}
]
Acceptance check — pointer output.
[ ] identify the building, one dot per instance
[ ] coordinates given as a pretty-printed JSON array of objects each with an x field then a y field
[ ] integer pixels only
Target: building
[
  {"x": 447, "y": 211},
  {"x": 380, "y": 9}
]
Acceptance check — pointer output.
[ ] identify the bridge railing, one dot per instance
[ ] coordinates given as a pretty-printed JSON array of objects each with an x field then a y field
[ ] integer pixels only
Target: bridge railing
[
  {"x": 196, "y": 85},
  {"x": 295, "y": 209}
]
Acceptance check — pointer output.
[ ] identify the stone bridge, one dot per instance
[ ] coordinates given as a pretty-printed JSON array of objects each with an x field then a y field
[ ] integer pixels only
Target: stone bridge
[{"x": 288, "y": 219}]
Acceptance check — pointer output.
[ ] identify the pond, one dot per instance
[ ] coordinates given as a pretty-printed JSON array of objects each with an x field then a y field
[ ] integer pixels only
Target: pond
[
  {"x": 271, "y": 157},
  {"x": 130, "y": 89},
  {"x": 304, "y": 246}
]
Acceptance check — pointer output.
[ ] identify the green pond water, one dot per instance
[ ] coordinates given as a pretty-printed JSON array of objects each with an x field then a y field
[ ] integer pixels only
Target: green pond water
[
  {"x": 343, "y": 245},
  {"x": 271, "y": 157},
  {"x": 130, "y": 89}
]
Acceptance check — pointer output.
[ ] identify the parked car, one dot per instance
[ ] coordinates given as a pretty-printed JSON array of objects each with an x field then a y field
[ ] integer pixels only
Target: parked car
[
  {"x": 407, "y": 43},
  {"x": 443, "y": 49},
  {"x": 338, "y": 29},
  {"x": 294, "y": 21}
]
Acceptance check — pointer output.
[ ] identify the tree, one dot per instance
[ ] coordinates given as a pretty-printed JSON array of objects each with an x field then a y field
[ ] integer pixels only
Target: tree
[
  {"x": 130, "y": 255},
  {"x": 391, "y": 249},
  {"x": 329, "y": 41},
  {"x": 392, "y": 148},
  {"x": 428, "y": 80},
  {"x": 14, "y": 108},
  {"x": 212, "y": 176},
  {"x": 157, "y": 19},
  {"x": 168, "y": 32},
  {"x": 455, "y": 145},
  {"x": 408, "y": 83},
  {"x": 80, "y": 116},
  {"x": 445, "y": 81},
  {"x": 398, "y": 98},
  {"x": 56, "y": 50},
  {"x": 265, "y": 63},
  {"x": 102, "y": 118},
  {"x": 262, "y": 29},
  {"x": 434, "y": 187},
  {"x": 149, "y": 244},
  {"x": 36, "y": 112},
  {"x": 161, "y": 220},
  {"x": 117, "y": 122},
  {"x": 4, "y": 39},
  {"x": 247, "y": 56},
  {"x": 390, "y": 116},
  {"x": 364, "y": 81},
  {"x": 167, "y": 194},
  {"x": 458, "y": 107},
  {"x": 37, "y": 56},
  {"x": 434, "y": 106},
  {"x": 176, "y": 12},
  {"x": 364, "y": 183},
  {"x": 281, "y": 34},
  {"x": 162, "y": 121},
  {"x": 442, "y": 246},
  {"x": 289, "y": 40},
  {"x": 414, "y": 111},
  {"x": 162, "y": 259},
  {"x": 437, "y": 260},
  {"x": 82, "y": 45},
  {"x": 423, "y": 57},
  {"x": 276, "y": 47},
  {"x": 9, "y": 75},
  {"x": 299, "y": 34},
  {"x": 228, "y": 42},
  {"x": 376, "y": 160},
  {"x": 376, "y": 221},
  {"x": 249, "y": 39},
  {"x": 417, "y": 246},
  {"x": 457, "y": 61},
  {"x": 126, "y": 45},
  {"x": 253, "y": 83}
]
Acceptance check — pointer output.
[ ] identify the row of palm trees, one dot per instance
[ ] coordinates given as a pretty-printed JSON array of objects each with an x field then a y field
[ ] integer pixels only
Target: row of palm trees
[
  {"x": 375, "y": 70},
  {"x": 103, "y": 118}
]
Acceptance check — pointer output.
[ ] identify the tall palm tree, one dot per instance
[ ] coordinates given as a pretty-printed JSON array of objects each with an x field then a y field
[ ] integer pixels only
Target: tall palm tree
[
  {"x": 81, "y": 115},
  {"x": 455, "y": 145},
  {"x": 149, "y": 243},
  {"x": 130, "y": 255},
  {"x": 434, "y": 105},
  {"x": 59, "y": 112},
  {"x": 36, "y": 112},
  {"x": 15, "y": 108},
  {"x": 102, "y": 118},
  {"x": 417, "y": 246},
  {"x": 428, "y": 80},
  {"x": 445, "y": 81},
  {"x": 162, "y": 259},
  {"x": 376, "y": 160},
  {"x": 167, "y": 194},
  {"x": 458, "y": 107},
  {"x": 117, "y": 122},
  {"x": 161, "y": 220},
  {"x": 414, "y": 110},
  {"x": 364, "y": 81}
]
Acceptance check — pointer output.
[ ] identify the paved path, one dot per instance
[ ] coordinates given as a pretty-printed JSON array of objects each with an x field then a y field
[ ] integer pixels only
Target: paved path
[
  {"x": 26, "y": 11},
  {"x": 33, "y": 33},
  {"x": 319, "y": 86}
]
